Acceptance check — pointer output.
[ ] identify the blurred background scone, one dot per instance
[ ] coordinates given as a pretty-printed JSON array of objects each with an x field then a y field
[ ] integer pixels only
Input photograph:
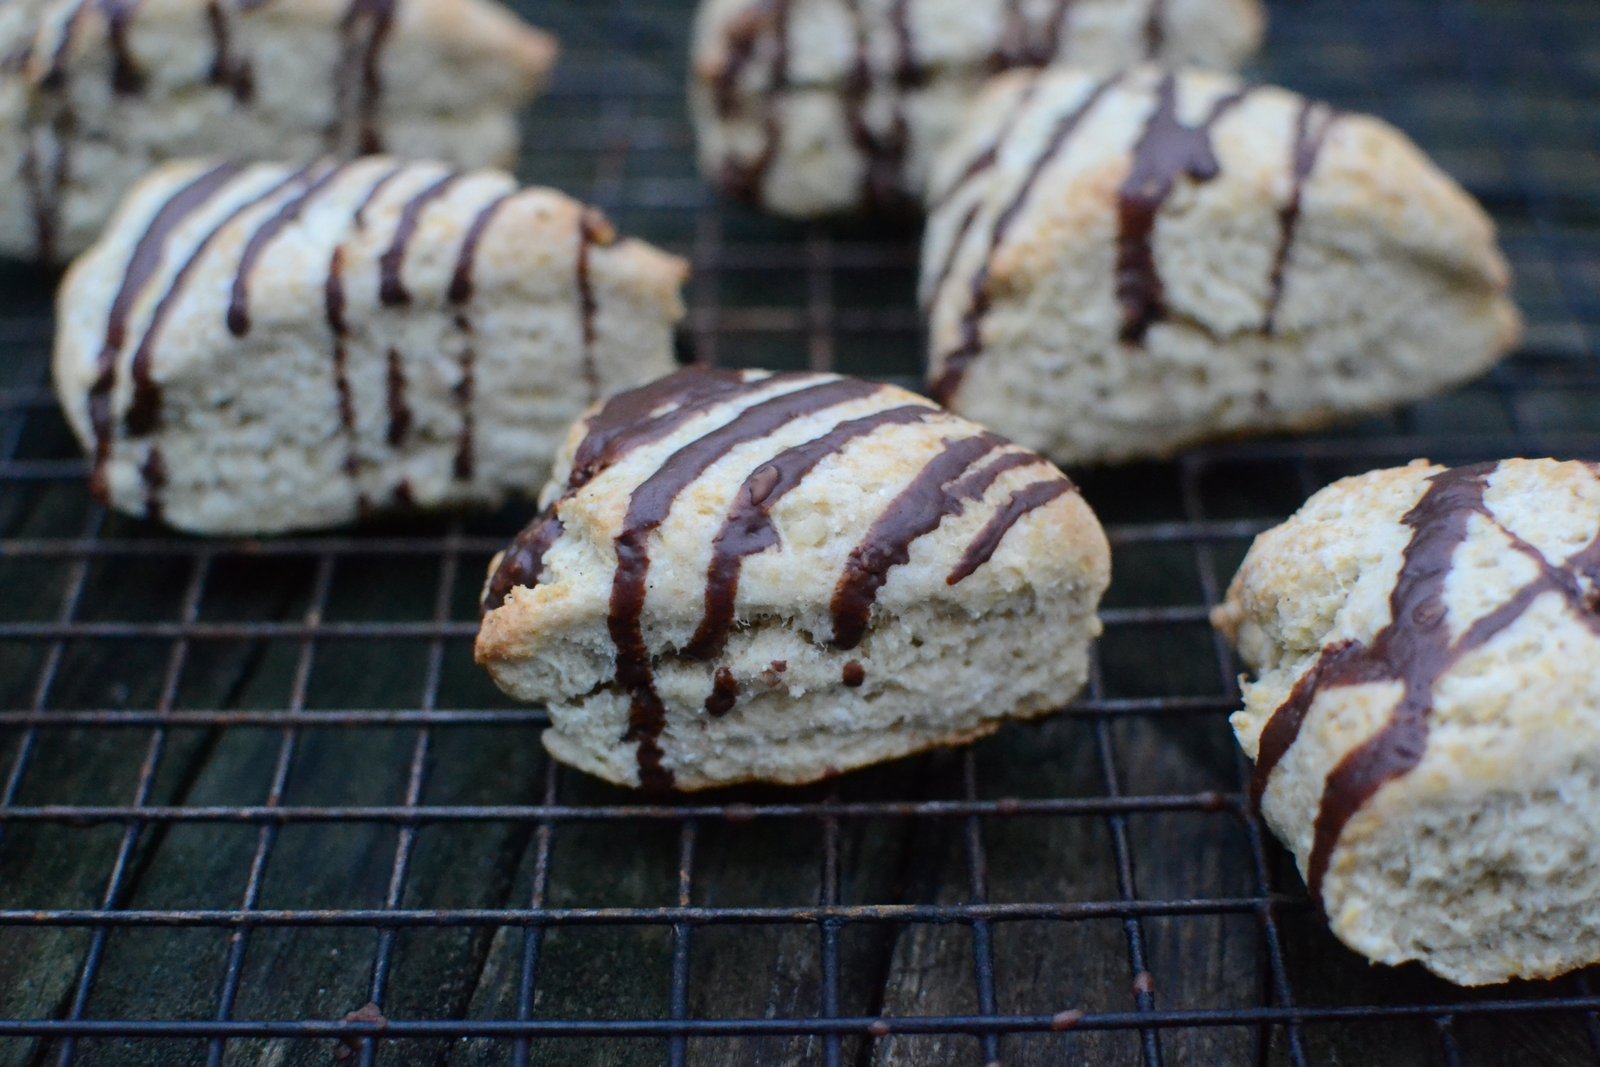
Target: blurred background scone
[
  {"x": 775, "y": 577},
  {"x": 1120, "y": 267},
  {"x": 823, "y": 107},
  {"x": 1425, "y": 719},
  {"x": 262, "y": 348},
  {"x": 92, "y": 95}
]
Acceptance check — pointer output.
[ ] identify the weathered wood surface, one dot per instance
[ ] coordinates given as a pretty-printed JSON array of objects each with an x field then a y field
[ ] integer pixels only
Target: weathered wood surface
[{"x": 626, "y": 971}]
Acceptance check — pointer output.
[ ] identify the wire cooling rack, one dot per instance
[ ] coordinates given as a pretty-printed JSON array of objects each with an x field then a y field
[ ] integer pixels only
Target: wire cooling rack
[{"x": 256, "y": 804}]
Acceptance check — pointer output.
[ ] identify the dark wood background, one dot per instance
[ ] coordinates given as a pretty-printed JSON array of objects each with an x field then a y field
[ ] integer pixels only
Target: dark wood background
[{"x": 183, "y": 683}]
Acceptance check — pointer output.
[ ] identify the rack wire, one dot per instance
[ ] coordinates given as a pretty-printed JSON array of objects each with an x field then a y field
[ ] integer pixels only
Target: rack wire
[{"x": 256, "y": 804}]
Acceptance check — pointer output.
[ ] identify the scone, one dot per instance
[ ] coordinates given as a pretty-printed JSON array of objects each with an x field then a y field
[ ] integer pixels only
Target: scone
[
  {"x": 94, "y": 94},
  {"x": 261, "y": 348},
  {"x": 1426, "y": 716},
  {"x": 820, "y": 107},
  {"x": 1134, "y": 264},
  {"x": 744, "y": 576}
]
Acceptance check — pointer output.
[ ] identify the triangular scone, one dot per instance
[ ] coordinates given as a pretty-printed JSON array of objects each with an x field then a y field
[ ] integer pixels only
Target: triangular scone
[
  {"x": 818, "y": 107},
  {"x": 743, "y": 576},
  {"x": 93, "y": 93},
  {"x": 1425, "y": 719},
  {"x": 1120, "y": 267},
  {"x": 260, "y": 348}
]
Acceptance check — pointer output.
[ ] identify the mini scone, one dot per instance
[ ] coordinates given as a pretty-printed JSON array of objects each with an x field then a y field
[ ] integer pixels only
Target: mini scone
[
  {"x": 819, "y": 107},
  {"x": 93, "y": 93},
  {"x": 1425, "y": 718},
  {"x": 744, "y": 576},
  {"x": 261, "y": 348},
  {"x": 1120, "y": 267}
]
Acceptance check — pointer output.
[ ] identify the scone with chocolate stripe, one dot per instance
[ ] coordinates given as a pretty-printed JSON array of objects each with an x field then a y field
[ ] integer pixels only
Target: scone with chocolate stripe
[
  {"x": 263, "y": 348},
  {"x": 744, "y": 576},
  {"x": 1425, "y": 719},
  {"x": 822, "y": 107},
  {"x": 93, "y": 93},
  {"x": 1120, "y": 267}
]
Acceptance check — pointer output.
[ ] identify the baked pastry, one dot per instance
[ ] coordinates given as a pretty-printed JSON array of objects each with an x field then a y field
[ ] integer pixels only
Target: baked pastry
[
  {"x": 94, "y": 94},
  {"x": 1137, "y": 263},
  {"x": 261, "y": 348},
  {"x": 1426, "y": 716},
  {"x": 820, "y": 107},
  {"x": 743, "y": 576}
]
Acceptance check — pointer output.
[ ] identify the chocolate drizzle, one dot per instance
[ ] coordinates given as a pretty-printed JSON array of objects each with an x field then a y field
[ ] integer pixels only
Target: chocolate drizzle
[
  {"x": 143, "y": 263},
  {"x": 647, "y": 508},
  {"x": 854, "y": 674},
  {"x": 227, "y": 70},
  {"x": 523, "y": 562},
  {"x": 399, "y": 411},
  {"x": 465, "y": 391},
  {"x": 1023, "y": 45},
  {"x": 391, "y": 285},
  {"x": 334, "y": 305},
  {"x": 1166, "y": 151},
  {"x": 593, "y": 229},
  {"x": 724, "y": 693},
  {"x": 365, "y": 28},
  {"x": 649, "y": 413},
  {"x": 744, "y": 179},
  {"x": 461, "y": 281},
  {"x": 918, "y": 510},
  {"x": 153, "y": 473},
  {"x": 1024, "y": 500},
  {"x": 239, "y": 301},
  {"x": 749, "y": 528},
  {"x": 971, "y": 346},
  {"x": 1415, "y": 650},
  {"x": 1155, "y": 29},
  {"x": 1309, "y": 137},
  {"x": 883, "y": 156}
]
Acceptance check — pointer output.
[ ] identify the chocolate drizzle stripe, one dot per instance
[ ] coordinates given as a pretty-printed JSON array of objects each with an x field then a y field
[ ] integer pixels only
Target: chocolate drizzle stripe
[
  {"x": 749, "y": 528},
  {"x": 918, "y": 510},
  {"x": 391, "y": 265},
  {"x": 883, "y": 156},
  {"x": 591, "y": 229},
  {"x": 984, "y": 161},
  {"x": 153, "y": 473},
  {"x": 1415, "y": 649},
  {"x": 1155, "y": 29},
  {"x": 143, "y": 263},
  {"x": 227, "y": 70},
  {"x": 744, "y": 179},
  {"x": 461, "y": 281},
  {"x": 523, "y": 563},
  {"x": 974, "y": 485},
  {"x": 144, "y": 413},
  {"x": 957, "y": 240},
  {"x": 360, "y": 105},
  {"x": 290, "y": 212},
  {"x": 1023, "y": 501},
  {"x": 649, "y": 413},
  {"x": 648, "y": 508},
  {"x": 360, "y": 216},
  {"x": 1166, "y": 150},
  {"x": 971, "y": 346},
  {"x": 1307, "y": 148},
  {"x": 334, "y": 305},
  {"x": 465, "y": 391},
  {"x": 400, "y": 417}
]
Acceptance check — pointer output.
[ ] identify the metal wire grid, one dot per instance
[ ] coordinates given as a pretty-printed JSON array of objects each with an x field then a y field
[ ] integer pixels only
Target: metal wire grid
[{"x": 1506, "y": 95}]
